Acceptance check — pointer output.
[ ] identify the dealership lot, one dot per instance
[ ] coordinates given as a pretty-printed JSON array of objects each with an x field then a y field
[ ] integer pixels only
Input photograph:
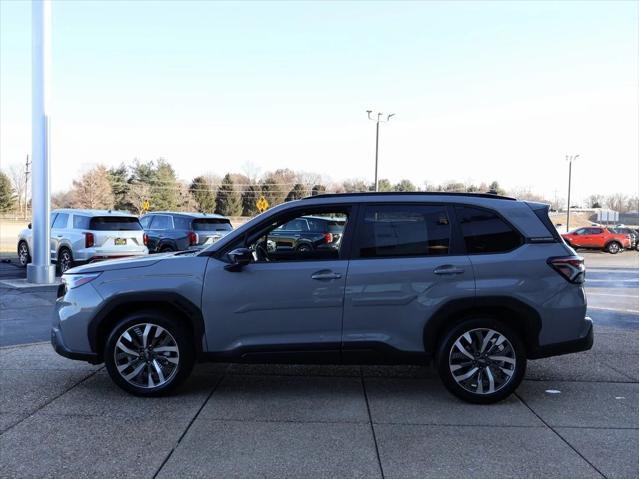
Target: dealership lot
[{"x": 573, "y": 416}]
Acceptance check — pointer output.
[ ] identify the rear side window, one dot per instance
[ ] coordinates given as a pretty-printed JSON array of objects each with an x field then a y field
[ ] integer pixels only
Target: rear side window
[
  {"x": 145, "y": 221},
  {"x": 61, "y": 220},
  {"x": 114, "y": 223},
  {"x": 81, "y": 222},
  {"x": 182, "y": 223},
  {"x": 161, "y": 222},
  {"x": 212, "y": 224},
  {"x": 390, "y": 231},
  {"x": 485, "y": 232}
]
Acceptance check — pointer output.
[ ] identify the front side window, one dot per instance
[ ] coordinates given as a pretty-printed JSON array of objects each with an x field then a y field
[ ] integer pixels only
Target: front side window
[
  {"x": 485, "y": 232},
  {"x": 61, "y": 220},
  {"x": 292, "y": 240},
  {"x": 389, "y": 231}
]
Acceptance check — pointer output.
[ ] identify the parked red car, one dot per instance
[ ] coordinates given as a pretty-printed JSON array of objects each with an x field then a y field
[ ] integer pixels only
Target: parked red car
[{"x": 597, "y": 238}]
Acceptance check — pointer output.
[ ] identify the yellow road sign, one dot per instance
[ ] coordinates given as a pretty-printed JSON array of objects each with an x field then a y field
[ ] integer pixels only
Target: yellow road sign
[
  {"x": 146, "y": 205},
  {"x": 262, "y": 204}
]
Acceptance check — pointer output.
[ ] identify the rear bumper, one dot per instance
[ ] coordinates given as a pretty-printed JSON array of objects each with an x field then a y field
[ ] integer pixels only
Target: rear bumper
[
  {"x": 583, "y": 343},
  {"x": 62, "y": 350}
]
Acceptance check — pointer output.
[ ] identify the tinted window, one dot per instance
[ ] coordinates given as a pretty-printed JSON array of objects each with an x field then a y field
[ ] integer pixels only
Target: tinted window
[
  {"x": 114, "y": 223},
  {"x": 212, "y": 224},
  {"x": 298, "y": 224},
  {"x": 61, "y": 220},
  {"x": 403, "y": 230},
  {"x": 81, "y": 222},
  {"x": 146, "y": 221},
  {"x": 485, "y": 232},
  {"x": 52, "y": 219},
  {"x": 594, "y": 231},
  {"x": 161, "y": 222},
  {"x": 181, "y": 223}
]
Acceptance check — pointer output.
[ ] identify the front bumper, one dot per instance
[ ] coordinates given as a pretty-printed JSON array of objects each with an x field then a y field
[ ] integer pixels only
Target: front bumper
[
  {"x": 62, "y": 350},
  {"x": 583, "y": 343}
]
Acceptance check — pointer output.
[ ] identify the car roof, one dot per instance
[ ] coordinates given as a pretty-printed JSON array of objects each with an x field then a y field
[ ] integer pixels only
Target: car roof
[
  {"x": 91, "y": 213},
  {"x": 382, "y": 194},
  {"x": 188, "y": 214}
]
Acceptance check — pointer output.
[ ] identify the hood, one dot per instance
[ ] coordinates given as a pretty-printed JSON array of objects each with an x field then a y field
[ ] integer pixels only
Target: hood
[{"x": 115, "y": 264}]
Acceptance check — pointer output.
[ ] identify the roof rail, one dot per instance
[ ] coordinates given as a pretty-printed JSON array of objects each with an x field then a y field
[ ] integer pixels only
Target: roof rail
[{"x": 412, "y": 193}]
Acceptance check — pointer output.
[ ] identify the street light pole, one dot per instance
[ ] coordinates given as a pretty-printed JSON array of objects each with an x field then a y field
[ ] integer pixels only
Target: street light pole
[
  {"x": 569, "y": 159},
  {"x": 40, "y": 271},
  {"x": 377, "y": 121}
]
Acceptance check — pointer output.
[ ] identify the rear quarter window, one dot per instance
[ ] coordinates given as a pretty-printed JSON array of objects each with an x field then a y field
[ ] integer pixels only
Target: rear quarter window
[
  {"x": 485, "y": 232},
  {"x": 212, "y": 224}
]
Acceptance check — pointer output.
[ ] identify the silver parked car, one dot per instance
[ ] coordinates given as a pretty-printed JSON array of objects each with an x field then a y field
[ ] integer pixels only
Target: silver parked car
[
  {"x": 85, "y": 236},
  {"x": 478, "y": 283}
]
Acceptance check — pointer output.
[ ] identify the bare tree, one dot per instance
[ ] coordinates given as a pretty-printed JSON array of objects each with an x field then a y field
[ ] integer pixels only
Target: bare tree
[
  {"x": 17, "y": 177},
  {"x": 93, "y": 190},
  {"x": 616, "y": 202}
]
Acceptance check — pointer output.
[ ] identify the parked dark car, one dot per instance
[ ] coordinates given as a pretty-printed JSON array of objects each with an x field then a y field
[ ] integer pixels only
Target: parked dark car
[
  {"x": 307, "y": 234},
  {"x": 169, "y": 231},
  {"x": 634, "y": 235}
]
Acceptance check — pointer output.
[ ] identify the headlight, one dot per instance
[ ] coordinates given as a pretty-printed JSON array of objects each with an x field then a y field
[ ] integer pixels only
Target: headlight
[{"x": 74, "y": 280}]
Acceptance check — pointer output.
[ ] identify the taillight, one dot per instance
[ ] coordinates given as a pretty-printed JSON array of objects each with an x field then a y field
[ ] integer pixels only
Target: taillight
[
  {"x": 572, "y": 268},
  {"x": 192, "y": 238},
  {"x": 145, "y": 239},
  {"x": 89, "y": 240},
  {"x": 328, "y": 237}
]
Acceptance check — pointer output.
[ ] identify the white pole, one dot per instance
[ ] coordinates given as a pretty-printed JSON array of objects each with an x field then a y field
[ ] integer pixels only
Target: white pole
[{"x": 40, "y": 271}]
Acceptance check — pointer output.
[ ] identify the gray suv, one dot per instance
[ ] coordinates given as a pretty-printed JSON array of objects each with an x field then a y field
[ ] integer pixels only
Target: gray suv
[{"x": 477, "y": 283}]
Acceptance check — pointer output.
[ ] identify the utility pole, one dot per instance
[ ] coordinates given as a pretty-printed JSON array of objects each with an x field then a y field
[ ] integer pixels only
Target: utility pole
[
  {"x": 377, "y": 121},
  {"x": 26, "y": 186},
  {"x": 569, "y": 159},
  {"x": 40, "y": 271}
]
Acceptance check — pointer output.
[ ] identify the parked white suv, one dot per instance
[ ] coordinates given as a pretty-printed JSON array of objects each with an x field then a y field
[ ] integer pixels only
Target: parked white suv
[{"x": 86, "y": 236}]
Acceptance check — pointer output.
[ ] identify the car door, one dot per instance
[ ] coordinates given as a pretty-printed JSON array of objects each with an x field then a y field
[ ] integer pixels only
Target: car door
[
  {"x": 282, "y": 302},
  {"x": 594, "y": 238},
  {"x": 161, "y": 225},
  {"x": 405, "y": 265},
  {"x": 580, "y": 238},
  {"x": 58, "y": 229}
]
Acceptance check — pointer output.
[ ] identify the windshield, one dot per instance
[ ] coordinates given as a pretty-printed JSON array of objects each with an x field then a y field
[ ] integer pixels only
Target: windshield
[
  {"x": 115, "y": 223},
  {"x": 212, "y": 224}
]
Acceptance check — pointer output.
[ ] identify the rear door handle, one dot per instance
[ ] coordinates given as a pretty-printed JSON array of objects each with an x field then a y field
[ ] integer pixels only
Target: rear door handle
[
  {"x": 448, "y": 269},
  {"x": 325, "y": 275}
]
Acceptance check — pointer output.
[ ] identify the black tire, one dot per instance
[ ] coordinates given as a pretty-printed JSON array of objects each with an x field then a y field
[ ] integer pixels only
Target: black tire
[
  {"x": 304, "y": 248},
  {"x": 166, "y": 249},
  {"x": 177, "y": 331},
  {"x": 447, "y": 350},
  {"x": 65, "y": 260},
  {"x": 24, "y": 257},
  {"x": 613, "y": 247}
]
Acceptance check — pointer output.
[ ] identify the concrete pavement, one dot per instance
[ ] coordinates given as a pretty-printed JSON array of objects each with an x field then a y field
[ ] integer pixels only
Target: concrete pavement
[{"x": 574, "y": 416}]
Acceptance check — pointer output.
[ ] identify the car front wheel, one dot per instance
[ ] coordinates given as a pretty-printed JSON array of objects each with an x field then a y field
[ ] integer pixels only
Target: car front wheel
[
  {"x": 148, "y": 354},
  {"x": 24, "y": 258},
  {"x": 481, "y": 360}
]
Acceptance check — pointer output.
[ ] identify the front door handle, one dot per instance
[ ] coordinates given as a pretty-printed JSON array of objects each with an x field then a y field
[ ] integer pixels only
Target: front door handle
[
  {"x": 325, "y": 275},
  {"x": 448, "y": 269}
]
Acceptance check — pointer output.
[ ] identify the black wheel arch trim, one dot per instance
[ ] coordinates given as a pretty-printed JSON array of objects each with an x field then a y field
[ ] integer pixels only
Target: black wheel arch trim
[
  {"x": 527, "y": 321},
  {"x": 149, "y": 300}
]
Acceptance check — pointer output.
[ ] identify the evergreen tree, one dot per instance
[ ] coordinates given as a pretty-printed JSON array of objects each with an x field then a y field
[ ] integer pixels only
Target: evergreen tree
[
  {"x": 119, "y": 180},
  {"x": 202, "y": 191},
  {"x": 273, "y": 191},
  {"x": 297, "y": 193},
  {"x": 318, "y": 190},
  {"x": 7, "y": 198},
  {"x": 249, "y": 200},
  {"x": 227, "y": 200},
  {"x": 404, "y": 185}
]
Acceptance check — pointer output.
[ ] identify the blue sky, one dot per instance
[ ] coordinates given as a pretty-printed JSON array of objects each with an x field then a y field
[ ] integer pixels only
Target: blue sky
[{"x": 481, "y": 90}]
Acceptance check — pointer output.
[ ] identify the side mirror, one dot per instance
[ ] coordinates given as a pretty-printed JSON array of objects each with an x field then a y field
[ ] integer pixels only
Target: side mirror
[
  {"x": 240, "y": 257},
  {"x": 29, "y": 226}
]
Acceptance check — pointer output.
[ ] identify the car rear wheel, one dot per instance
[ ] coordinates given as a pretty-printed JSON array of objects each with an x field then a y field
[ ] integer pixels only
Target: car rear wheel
[
  {"x": 481, "y": 360},
  {"x": 304, "y": 248},
  {"x": 148, "y": 354},
  {"x": 166, "y": 249},
  {"x": 65, "y": 260},
  {"x": 613, "y": 247},
  {"x": 24, "y": 258}
]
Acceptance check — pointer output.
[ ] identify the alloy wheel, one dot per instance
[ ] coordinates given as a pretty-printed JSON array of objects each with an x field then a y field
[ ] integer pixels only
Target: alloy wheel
[
  {"x": 482, "y": 361},
  {"x": 146, "y": 355},
  {"x": 23, "y": 254},
  {"x": 65, "y": 261}
]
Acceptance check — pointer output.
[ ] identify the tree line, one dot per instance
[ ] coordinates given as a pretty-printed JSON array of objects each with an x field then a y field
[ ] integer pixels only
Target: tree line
[{"x": 156, "y": 185}]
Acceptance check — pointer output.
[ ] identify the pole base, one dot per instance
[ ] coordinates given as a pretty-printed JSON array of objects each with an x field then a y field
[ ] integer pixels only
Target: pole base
[{"x": 41, "y": 274}]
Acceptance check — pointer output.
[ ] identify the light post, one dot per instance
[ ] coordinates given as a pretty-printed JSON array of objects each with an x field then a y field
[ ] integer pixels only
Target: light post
[
  {"x": 377, "y": 121},
  {"x": 40, "y": 271},
  {"x": 569, "y": 159}
]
